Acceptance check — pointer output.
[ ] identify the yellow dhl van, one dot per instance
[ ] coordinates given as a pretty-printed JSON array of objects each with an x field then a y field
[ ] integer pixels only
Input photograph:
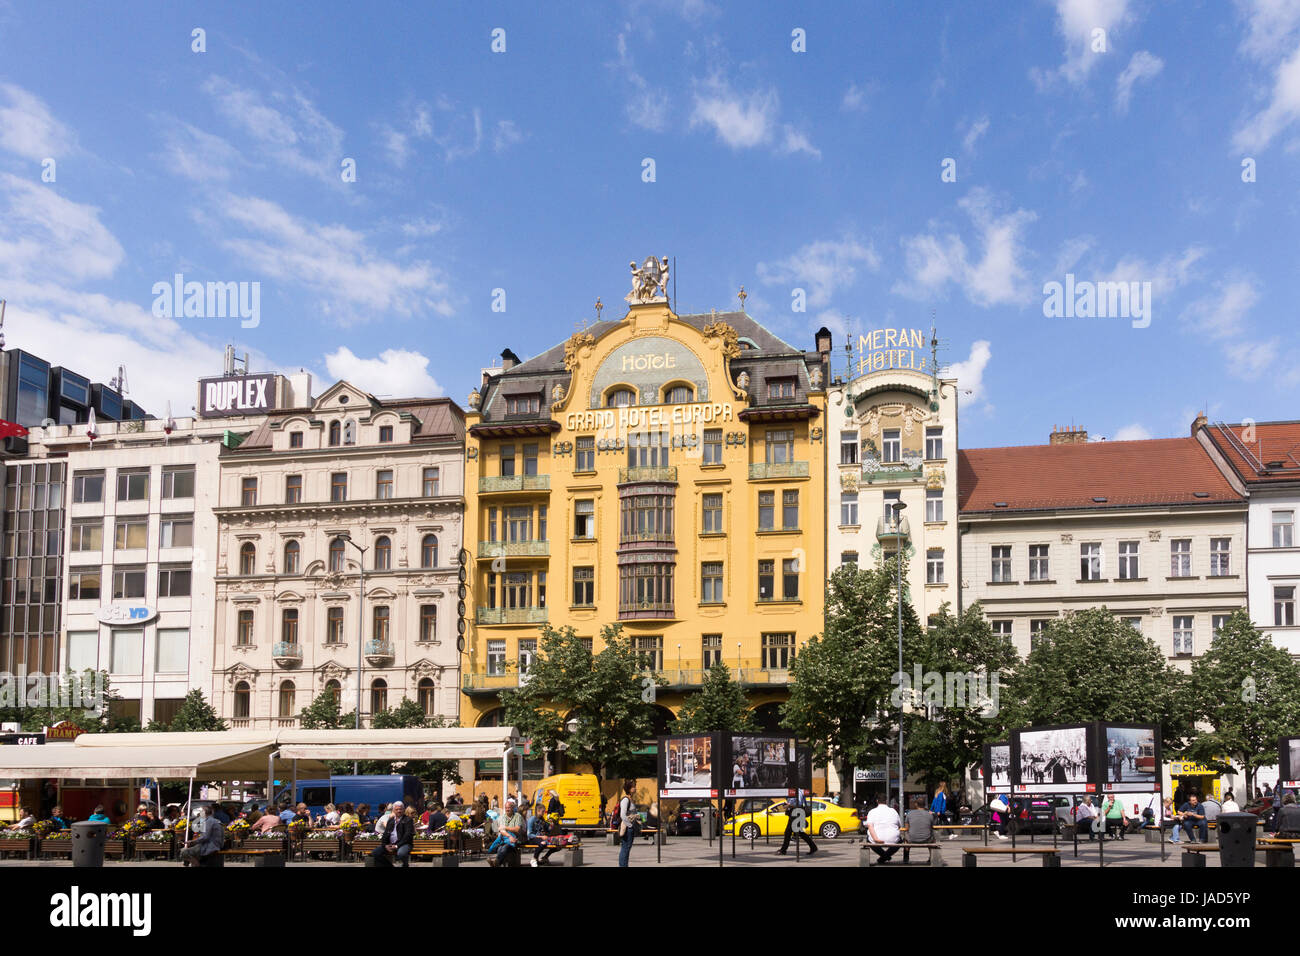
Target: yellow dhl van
[{"x": 580, "y": 794}]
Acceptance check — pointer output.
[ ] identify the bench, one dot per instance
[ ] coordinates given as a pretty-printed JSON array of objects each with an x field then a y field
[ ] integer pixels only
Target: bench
[
  {"x": 265, "y": 857},
  {"x": 934, "y": 856},
  {"x": 1051, "y": 855},
  {"x": 1278, "y": 851},
  {"x": 435, "y": 850},
  {"x": 1194, "y": 855}
]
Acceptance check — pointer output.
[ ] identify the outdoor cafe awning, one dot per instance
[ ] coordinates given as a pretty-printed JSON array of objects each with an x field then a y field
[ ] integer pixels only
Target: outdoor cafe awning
[
  {"x": 434, "y": 743},
  {"x": 211, "y": 761}
]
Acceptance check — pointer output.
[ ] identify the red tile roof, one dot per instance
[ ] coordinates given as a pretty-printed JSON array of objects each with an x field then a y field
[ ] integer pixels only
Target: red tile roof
[
  {"x": 1250, "y": 449},
  {"x": 1160, "y": 471}
]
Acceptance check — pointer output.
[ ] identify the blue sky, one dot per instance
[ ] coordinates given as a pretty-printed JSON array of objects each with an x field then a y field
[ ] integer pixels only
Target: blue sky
[{"x": 775, "y": 169}]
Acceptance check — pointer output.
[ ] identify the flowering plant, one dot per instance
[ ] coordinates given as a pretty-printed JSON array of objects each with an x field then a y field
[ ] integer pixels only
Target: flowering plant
[
  {"x": 128, "y": 830},
  {"x": 297, "y": 828},
  {"x": 455, "y": 823},
  {"x": 17, "y": 834},
  {"x": 42, "y": 827},
  {"x": 58, "y": 835},
  {"x": 157, "y": 836},
  {"x": 237, "y": 826},
  {"x": 323, "y": 835},
  {"x": 364, "y": 837}
]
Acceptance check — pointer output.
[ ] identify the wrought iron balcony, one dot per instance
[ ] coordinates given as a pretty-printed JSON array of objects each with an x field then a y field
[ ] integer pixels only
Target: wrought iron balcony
[
  {"x": 503, "y": 483},
  {"x": 760, "y": 470},
  {"x": 514, "y": 549},
  {"x": 666, "y": 473},
  {"x": 286, "y": 654},
  {"x": 379, "y": 651},
  {"x": 481, "y": 683},
  {"x": 511, "y": 615},
  {"x": 892, "y": 531}
]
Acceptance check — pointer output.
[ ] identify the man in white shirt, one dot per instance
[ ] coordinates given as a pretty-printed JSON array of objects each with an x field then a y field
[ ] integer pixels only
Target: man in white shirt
[
  {"x": 883, "y": 827},
  {"x": 1084, "y": 815}
]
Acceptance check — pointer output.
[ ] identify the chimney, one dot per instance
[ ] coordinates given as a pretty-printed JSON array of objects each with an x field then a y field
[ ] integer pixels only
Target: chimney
[
  {"x": 1068, "y": 435},
  {"x": 508, "y": 360},
  {"x": 1199, "y": 422},
  {"x": 823, "y": 340}
]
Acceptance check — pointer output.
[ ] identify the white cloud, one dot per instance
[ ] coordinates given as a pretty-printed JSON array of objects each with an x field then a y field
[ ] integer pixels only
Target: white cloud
[
  {"x": 1222, "y": 314},
  {"x": 1283, "y": 108},
  {"x": 1165, "y": 276},
  {"x": 1143, "y": 66},
  {"x": 45, "y": 235},
  {"x": 648, "y": 105},
  {"x": 973, "y": 133},
  {"x": 507, "y": 134},
  {"x": 797, "y": 142},
  {"x": 194, "y": 154},
  {"x": 741, "y": 121},
  {"x": 1251, "y": 359},
  {"x": 1270, "y": 24},
  {"x": 1075, "y": 22},
  {"x": 292, "y": 132},
  {"x": 856, "y": 97},
  {"x": 824, "y": 266},
  {"x": 27, "y": 128},
  {"x": 997, "y": 278},
  {"x": 1133, "y": 432},
  {"x": 396, "y": 373},
  {"x": 970, "y": 373}
]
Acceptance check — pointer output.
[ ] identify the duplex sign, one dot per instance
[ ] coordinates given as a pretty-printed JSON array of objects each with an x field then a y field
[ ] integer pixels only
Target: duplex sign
[{"x": 236, "y": 395}]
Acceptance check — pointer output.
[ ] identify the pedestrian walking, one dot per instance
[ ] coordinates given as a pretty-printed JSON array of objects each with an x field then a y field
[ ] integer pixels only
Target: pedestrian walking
[
  {"x": 629, "y": 822},
  {"x": 800, "y": 800},
  {"x": 939, "y": 806}
]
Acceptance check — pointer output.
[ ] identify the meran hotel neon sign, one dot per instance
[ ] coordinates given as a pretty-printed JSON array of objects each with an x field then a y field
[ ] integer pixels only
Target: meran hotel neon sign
[
  {"x": 892, "y": 348},
  {"x": 656, "y": 415}
]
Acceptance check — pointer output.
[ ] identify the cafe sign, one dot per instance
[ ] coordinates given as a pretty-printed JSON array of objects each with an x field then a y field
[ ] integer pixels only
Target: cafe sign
[
  {"x": 892, "y": 349},
  {"x": 126, "y": 615}
]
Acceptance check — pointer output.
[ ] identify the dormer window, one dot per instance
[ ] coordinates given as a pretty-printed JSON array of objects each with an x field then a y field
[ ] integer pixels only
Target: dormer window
[
  {"x": 780, "y": 388},
  {"x": 620, "y": 398},
  {"x": 523, "y": 404}
]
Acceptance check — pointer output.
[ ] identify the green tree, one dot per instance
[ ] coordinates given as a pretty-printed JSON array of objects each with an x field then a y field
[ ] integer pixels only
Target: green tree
[
  {"x": 324, "y": 713},
  {"x": 88, "y": 687},
  {"x": 947, "y": 736},
  {"x": 1092, "y": 666},
  {"x": 841, "y": 680},
  {"x": 719, "y": 705},
  {"x": 408, "y": 713},
  {"x": 1248, "y": 691},
  {"x": 194, "y": 714},
  {"x": 609, "y": 695}
]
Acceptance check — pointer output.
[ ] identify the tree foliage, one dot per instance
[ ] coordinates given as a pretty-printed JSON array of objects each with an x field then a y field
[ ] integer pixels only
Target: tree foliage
[
  {"x": 194, "y": 714},
  {"x": 719, "y": 705},
  {"x": 80, "y": 687},
  {"x": 325, "y": 713}
]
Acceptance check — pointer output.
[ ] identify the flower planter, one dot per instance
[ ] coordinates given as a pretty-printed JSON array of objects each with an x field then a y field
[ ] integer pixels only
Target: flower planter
[
  {"x": 328, "y": 845},
  {"x": 17, "y": 847},
  {"x": 117, "y": 849},
  {"x": 56, "y": 846},
  {"x": 154, "y": 849}
]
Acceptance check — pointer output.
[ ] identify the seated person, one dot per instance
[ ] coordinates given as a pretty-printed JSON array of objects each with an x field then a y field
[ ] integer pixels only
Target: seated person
[
  {"x": 920, "y": 822},
  {"x": 1193, "y": 817},
  {"x": 25, "y": 819},
  {"x": 99, "y": 816},
  {"x": 883, "y": 827},
  {"x": 265, "y": 824},
  {"x": 56, "y": 817},
  {"x": 1288, "y": 819},
  {"x": 396, "y": 840}
]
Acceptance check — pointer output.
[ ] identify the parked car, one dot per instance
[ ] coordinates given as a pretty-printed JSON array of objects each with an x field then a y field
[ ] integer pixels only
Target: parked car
[
  {"x": 687, "y": 819},
  {"x": 824, "y": 819}
]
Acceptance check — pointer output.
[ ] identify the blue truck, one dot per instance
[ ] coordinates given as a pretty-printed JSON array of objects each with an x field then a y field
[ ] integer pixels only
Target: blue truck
[{"x": 374, "y": 789}]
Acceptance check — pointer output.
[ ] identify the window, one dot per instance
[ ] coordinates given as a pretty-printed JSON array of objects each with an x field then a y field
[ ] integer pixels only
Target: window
[
  {"x": 384, "y": 484},
  {"x": 289, "y": 625},
  {"x": 779, "y": 388},
  {"x": 1037, "y": 631},
  {"x": 247, "y": 558},
  {"x": 428, "y": 622},
  {"x": 849, "y": 509},
  {"x": 1217, "y": 623},
  {"x": 295, "y": 439},
  {"x": 790, "y": 510},
  {"x": 933, "y": 443},
  {"x": 292, "y": 554},
  {"x": 517, "y": 590},
  {"x": 378, "y": 695},
  {"x": 584, "y": 519},
  {"x": 379, "y": 624},
  {"x": 383, "y": 553},
  {"x": 646, "y": 587},
  {"x": 126, "y": 650},
  {"x": 349, "y": 432},
  {"x": 429, "y": 482},
  {"x": 584, "y": 587},
  {"x": 767, "y": 580},
  {"x": 244, "y": 629},
  {"x": 790, "y": 578},
  {"x": 492, "y": 524},
  {"x": 1283, "y": 528},
  {"x": 848, "y": 448},
  {"x": 133, "y": 486},
  {"x": 128, "y": 583},
  {"x": 334, "y": 625},
  {"x": 385, "y": 434},
  {"x": 429, "y": 551},
  {"x": 712, "y": 522},
  {"x": 1038, "y": 563},
  {"x": 1000, "y": 556},
  {"x": 286, "y": 699},
  {"x": 293, "y": 489},
  {"x": 849, "y": 557},
  {"x": 710, "y": 650},
  {"x": 585, "y": 454},
  {"x": 527, "y": 654},
  {"x": 87, "y": 489},
  {"x": 1133, "y": 622},
  {"x": 647, "y": 518},
  {"x": 248, "y": 492},
  {"x": 1220, "y": 557},
  {"x": 766, "y": 510},
  {"x": 83, "y": 585},
  {"x": 780, "y": 446},
  {"x": 507, "y": 455},
  {"x": 335, "y": 431},
  {"x": 496, "y": 658},
  {"x": 777, "y": 651},
  {"x": 1183, "y": 636},
  {"x": 335, "y": 690},
  {"x": 679, "y": 395},
  {"x": 892, "y": 441},
  {"x": 523, "y": 404},
  {"x": 519, "y": 523},
  {"x": 426, "y": 694},
  {"x": 530, "y": 459},
  {"x": 651, "y": 649},
  {"x": 178, "y": 483},
  {"x": 620, "y": 398},
  {"x": 83, "y": 651},
  {"x": 339, "y": 486},
  {"x": 711, "y": 580},
  {"x": 1284, "y": 606},
  {"x": 173, "y": 582},
  {"x": 934, "y": 566},
  {"x": 243, "y": 701},
  {"x": 1180, "y": 558},
  {"x": 647, "y": 450},
  {"x": 1128, "y": 561},
  {"x": 176, "y": 533},
  {"x": 1001, "y": 629},
  {"x": 131, "y": 533},
  {"x": 1090, "y": 562},
  {"x": 336, "y": 554}
]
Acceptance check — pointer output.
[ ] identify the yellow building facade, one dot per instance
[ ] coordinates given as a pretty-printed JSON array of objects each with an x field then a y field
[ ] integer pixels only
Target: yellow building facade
[{"x": 662, "y": 472}]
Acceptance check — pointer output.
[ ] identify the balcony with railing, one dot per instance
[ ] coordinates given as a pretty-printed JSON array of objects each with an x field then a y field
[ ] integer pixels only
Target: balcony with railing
[
  {"x": 647, "y": 611},
  {"x": 500, "y": 484},
  {"x": 511, "y": 615},
  {"x": 287, "y": 654},
  {"x": 647, "y": 473},
  {"x": 889, "y": 531},
  {"x": 908, "y": 468},
  {"x": 513, "y": 549},
  {"x": 763, "y": 470},
  {"x": 481, "y": 683},
  {"x": 379, "y": 652}
]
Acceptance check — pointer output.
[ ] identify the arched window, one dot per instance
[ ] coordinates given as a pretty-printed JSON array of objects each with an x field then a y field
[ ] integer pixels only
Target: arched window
[
  {"x": 429, "y": 551},
  {"x": 378, "y": 695},
  {"x": 247, "y": 557},
  {"x": 335, "y": 431},
  {"x": 291, "y": 555},
  {"x": 335, "y": 690},
  {"x": 679, "y": 395},
  {"x": 243, "y": 701},
  {"x": 427, "y": 696},
  {"x": 287, "y": 708},
  {"x": 620, "y": 398},
  {"x": 492, "y": 718},
  {"x": 336, "y": 554},
  {"x": 349, "y": 432},
  {"x": 383, "y": 553}
]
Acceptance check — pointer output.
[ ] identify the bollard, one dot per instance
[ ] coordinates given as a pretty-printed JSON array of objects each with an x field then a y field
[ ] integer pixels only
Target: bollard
[
  {"x": 88, "y": 844},
  {"x": 1237, "y": 839}
]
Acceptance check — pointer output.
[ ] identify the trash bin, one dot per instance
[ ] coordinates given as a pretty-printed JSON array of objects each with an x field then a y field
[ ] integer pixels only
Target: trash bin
[
  {"x": 709, "y": 824},
  {"x": 88, "y": 843},
  {"x": 1236, "y": 839}
]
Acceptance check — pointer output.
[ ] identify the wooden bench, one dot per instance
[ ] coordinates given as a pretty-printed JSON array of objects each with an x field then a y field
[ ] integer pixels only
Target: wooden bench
[
  {"x": 1051, "y": 855},
  {"x": 1278, "y": 851},
  {"x": 934, "y": 852},
  {"x": 436, "y": 850},
  {"x": 259, "y": 857}
]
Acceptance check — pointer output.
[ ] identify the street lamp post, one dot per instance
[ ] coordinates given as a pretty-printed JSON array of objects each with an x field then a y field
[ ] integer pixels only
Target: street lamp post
[
  {"x": 361, "y": 614},
  {"x": 898, "y": 557}
]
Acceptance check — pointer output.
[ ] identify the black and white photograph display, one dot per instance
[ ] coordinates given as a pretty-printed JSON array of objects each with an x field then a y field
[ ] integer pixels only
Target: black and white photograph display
[
  {"x": 688, "y": 763},
  {"x": 997, "y": 760},
  {"x": 1289, "y": 762},
  {"x": 1130, "y": 755},
  {"x": 762, "y": 766},
  {"x": 1054, "y": 757}
]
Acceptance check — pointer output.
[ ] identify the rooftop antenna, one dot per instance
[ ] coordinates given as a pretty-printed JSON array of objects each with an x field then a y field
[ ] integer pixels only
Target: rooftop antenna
[
  {"x": 2, "y": 323},
  {"x": 848, "y": 356},
  {"x": 674, "y": 309},
  {"x": 118, "y": 384}
]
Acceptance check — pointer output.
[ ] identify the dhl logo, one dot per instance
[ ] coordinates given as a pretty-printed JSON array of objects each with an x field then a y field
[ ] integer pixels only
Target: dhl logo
[{"x": 579, "y": 793}]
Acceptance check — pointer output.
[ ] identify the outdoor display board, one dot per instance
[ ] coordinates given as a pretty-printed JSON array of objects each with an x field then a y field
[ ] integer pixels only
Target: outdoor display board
[
  {"x": 1099, "y": 757},
  {"x": 1130, "y": 758},
  {"x": 687, "y": 767},
  {"x": 733, "y": 765},
  {"x": 997, "y": 767},
  {"x": 1288, "y": 762}
]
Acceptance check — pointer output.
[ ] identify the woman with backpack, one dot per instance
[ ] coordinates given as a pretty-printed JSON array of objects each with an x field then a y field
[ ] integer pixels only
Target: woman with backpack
[{"x": 629, "y": 822}]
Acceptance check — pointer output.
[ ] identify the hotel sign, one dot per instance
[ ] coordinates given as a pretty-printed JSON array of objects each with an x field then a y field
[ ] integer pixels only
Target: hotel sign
[
  {"x": 236, "y": 395},
  {"x": 648, "y": 417},
  {"x": 892, "y": 349}
]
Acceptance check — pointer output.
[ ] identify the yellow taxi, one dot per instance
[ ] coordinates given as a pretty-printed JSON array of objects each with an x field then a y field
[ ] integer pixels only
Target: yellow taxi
[{"x": 825, "y": 819}]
